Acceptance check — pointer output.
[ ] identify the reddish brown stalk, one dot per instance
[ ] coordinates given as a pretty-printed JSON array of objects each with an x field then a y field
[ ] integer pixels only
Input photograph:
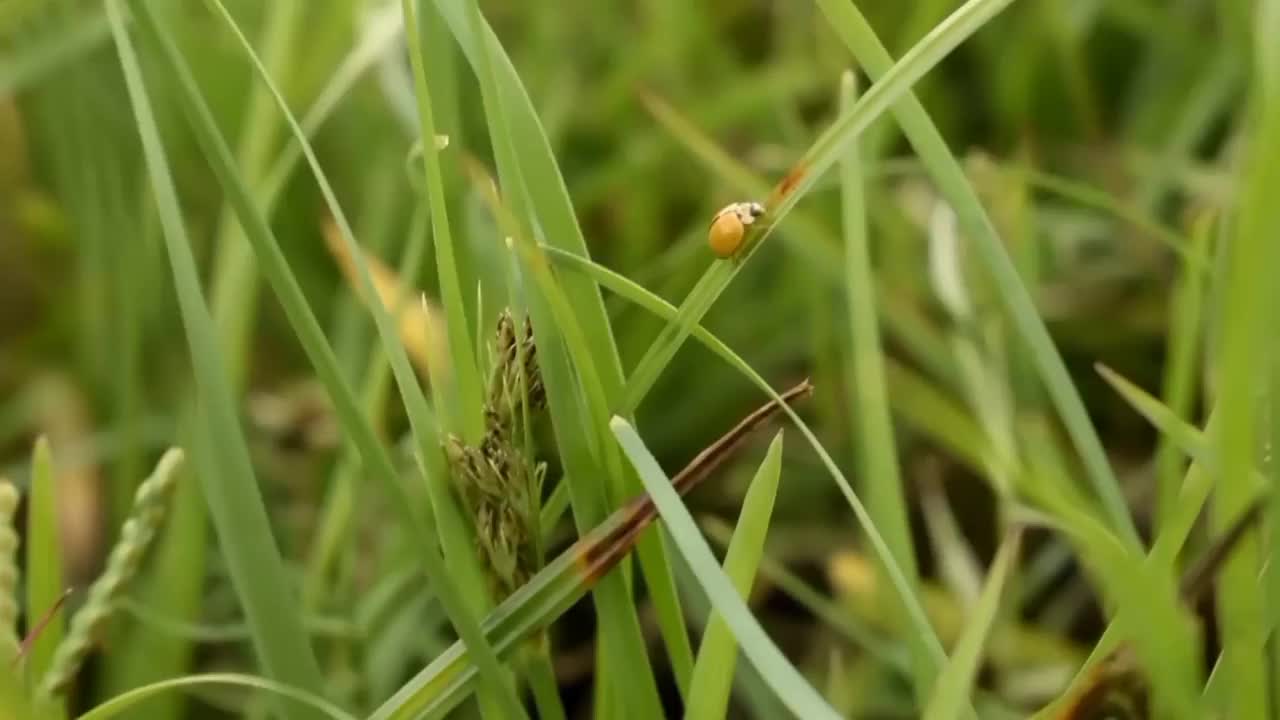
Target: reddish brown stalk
[
  {"x": 596, "y": 556},
  {"x": 34, "y": 633},
  {"x": 788, "y": 184}
]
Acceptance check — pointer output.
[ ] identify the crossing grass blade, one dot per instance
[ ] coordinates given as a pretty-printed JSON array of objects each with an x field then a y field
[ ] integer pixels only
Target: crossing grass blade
[
  {"x": 239, "y": 515},
  {"x": 849, "y": 23},
  {"x": 444, "y": 581},
  {"x": 718, "y": 655},
  {"x": 783, "y": 677}
]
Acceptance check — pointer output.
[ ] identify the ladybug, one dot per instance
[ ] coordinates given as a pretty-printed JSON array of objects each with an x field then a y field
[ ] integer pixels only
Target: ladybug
[{"x": 729, "y": 226}]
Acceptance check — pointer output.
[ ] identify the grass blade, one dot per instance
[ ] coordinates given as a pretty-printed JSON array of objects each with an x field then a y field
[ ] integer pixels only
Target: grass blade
[
  {"x": 1183, "y": 349},
  {"x": 718, "y": 654},
  {"x": 790, "y": 686},
  {"x": 1251, "y": 258},
  {"x": 876, "y": 450},
  {"x": 234, "y": 500},
  {"x": 946, "y": 171},
  {"x": 950, "y": 692},
  {"x": 45, "y": 583}
]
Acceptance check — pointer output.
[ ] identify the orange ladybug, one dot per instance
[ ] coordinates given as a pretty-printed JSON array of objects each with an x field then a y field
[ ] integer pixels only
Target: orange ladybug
[{"x": 729, "y": 226}]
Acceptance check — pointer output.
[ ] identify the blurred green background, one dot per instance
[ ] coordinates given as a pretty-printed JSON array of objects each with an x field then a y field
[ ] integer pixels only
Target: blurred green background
[{"x": 1099, "y": 135}]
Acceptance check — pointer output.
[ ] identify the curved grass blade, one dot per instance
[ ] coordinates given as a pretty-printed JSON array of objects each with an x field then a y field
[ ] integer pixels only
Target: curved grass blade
[
  {"x": 449, "y": 678},
  {"x": 853, "y": 29},
  {"x": 952, "y": 689},
  {"x": 718, "y": 655},
  {"x": 312, "y": 338},
  {"x": 126, "y": 702},
  {"x": 783, "y": 677},
  {"x": 820, "y": 157},
  {"x": 235, "y": 503}
]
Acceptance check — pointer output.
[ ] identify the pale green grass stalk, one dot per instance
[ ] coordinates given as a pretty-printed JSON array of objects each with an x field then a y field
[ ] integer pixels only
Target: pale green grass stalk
[
  {"x": 876, "y": 449},
  {"x": 1185, "y": 313},
  {"x": 465, "y": 389},
  {"x": 1251, "y": 259}
]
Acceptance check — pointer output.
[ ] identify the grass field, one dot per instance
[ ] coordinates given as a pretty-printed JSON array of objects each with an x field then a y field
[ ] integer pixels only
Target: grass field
[{"x": 367, "y": 359}]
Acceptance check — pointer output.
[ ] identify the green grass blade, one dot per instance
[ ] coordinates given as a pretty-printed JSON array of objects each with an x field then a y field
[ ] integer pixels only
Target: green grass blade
[
  {"x": 820, "y": 157},
  {"x": 311, "y": 336},
  {"x": 45, "y": 583},
  {"x": 239, "y": 516},
  {"x": 952, "y": 689},
  {"x": 466, "y": 389},
  {"x": 718, "y": 655},
  {"x": 876, "y": 449},
  {"x": 947, "y": 173},
  {"x": 1185, "y": 316},
  {"x": 1245, "y": 323},
  {"x": 1181, "y": 435},
  {"x": 128, "y": 701},
  {"x": 783, "y": 677}
]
